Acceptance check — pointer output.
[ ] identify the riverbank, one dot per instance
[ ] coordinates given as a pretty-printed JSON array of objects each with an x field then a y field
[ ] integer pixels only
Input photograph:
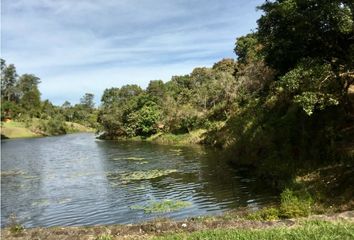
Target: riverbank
[
  {"x": 194, "y": 137},
  {"x": 14, "y": 129},
  {"x": 228, "y": 226}
]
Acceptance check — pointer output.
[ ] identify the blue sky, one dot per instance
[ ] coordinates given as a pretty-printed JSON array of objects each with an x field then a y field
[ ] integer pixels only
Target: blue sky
[{"x": 78, "y": 46}]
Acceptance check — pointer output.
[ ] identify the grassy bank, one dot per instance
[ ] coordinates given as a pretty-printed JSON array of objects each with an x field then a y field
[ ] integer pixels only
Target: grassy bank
[
  {"x": 338, "y": 226},
  {"x": 193, "y": 137},
  {"x": 14, "y": 129},
  {"x": 305, "y": 230}
]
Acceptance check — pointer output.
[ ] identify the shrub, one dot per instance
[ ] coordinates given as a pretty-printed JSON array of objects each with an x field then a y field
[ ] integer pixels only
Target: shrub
[
  {"x": 53, "y": 126},
  {"x": 295, "y": 206},
  {"x": 104, "y": 237},
  {"x": 15, "y": 227},
  {"x": 265, "y": 214}
]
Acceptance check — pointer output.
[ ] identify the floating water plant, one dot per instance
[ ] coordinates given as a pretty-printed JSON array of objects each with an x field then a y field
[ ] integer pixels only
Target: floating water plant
[
  {"x": 41, "y": 203},
  {"x": 166, "y": 205},
  {"x": 64, "y": 200},
  {"x": 135, "y": 158},
  {"x": 142, "y": 162},
  {"x": 149, "y": 174},
  {"x": 11, "y": 173}
]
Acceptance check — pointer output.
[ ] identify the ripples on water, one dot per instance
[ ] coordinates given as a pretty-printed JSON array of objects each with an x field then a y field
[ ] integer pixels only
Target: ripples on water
[{"x": 62, "y": 181}]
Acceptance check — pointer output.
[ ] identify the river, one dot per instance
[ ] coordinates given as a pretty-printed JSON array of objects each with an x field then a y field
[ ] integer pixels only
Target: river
[{"x": 66, "y": 181}]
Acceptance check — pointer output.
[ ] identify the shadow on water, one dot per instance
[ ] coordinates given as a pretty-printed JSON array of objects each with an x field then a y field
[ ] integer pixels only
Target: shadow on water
[{"x": 77, "y": 180}]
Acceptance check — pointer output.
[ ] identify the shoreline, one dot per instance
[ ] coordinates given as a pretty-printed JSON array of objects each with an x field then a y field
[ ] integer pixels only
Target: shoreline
[
  {"x": 168, "y": 228},
  {"x": 18, "y": 130}
]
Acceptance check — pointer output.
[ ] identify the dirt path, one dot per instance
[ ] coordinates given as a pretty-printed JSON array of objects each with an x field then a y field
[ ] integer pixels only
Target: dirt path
[{"x": 150, "y": 229}]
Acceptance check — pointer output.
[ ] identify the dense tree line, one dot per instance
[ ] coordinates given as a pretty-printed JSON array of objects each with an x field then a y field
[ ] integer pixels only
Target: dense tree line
[
  {"x": 181, "y": 105},
  {"x": 21, "y": 101},
  {"x": 283, "y": 102}
]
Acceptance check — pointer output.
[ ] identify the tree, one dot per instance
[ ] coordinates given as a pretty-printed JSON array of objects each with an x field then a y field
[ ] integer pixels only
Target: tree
[
  {"x": 8, "y": 81},
  {"x": 29, "y": 93},
  {"x": 291, "y": 30},
  {"x": 87, "y": 101},
  {"x": 27, "y": 83},
  {"x": 156, "y": 89},
  {"x": 66, "y": 105},
  {"x": 226, "y": 65},
  {"x": 247, "y": 48}
]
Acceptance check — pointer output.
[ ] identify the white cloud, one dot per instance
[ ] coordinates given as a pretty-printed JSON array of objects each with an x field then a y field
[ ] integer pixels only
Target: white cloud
[{"x": 88, "y": 45}]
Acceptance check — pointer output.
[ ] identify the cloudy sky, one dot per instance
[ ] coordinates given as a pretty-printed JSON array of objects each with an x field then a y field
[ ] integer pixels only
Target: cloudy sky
[{"x": 78, "y": 46}]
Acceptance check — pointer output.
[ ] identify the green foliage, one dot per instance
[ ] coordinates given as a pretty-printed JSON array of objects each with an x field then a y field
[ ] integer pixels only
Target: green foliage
[
  {"x": 303, "y": 231},
  {"x": 293, "y": 29},
  {"x": 265, "y": 214},
  {"x": 8, "y": 81},
  {"x": 53, "y": 126},
  {"x": 104, "y": 236},
  {"x": 87, "y": 101},
  {"x": 10, "y": 110},
  {"x": 311, "y": 85},
  {"x": 15, "y": 227},
  {"x": 293, "y": 205},
  {"x": 144, "y": 121},
  {"x": 247, "y": 48},
  {"x": 166, "y": 205}
]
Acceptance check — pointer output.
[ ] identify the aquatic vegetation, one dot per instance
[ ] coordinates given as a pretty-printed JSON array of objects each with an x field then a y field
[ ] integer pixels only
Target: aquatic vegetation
[
  {"x": 142, "y": 162},
  {"x": 135, "y": 158},
  {"x": 166, "y": 205},
  {"x": 41, "y": 203},
  {"x": 64, "y": 200},
  {"x": 15, "y": 227},
  {"x": 30, "y": 177},
  {"x": 12, "y": 173},
  {"x": 143, "y": 175},
  {"x": 82, "y": 174},
  {"x": 176, "y": 152}
]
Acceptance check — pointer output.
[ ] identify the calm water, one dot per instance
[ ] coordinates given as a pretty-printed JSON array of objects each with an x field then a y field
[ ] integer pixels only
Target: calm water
[{"x": 64, "y": 181}]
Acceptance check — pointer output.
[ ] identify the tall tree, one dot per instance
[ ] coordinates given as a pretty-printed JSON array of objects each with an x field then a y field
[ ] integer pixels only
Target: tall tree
[
  {"x": 87, "y": 101},
  {"x": 8, "y": 81},
  {"x": 29, "y": 93}
]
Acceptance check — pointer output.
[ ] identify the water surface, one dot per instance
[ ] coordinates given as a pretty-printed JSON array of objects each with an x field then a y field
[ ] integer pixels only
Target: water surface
[{"x": 65, "y": 181}]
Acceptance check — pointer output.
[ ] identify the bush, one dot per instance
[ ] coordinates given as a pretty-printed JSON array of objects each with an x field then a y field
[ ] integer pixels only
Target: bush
[
  {"x": 265, "y": 214},
  {"x": 53, "y": 126},
  {"x": 15, "y": 227},
  {"x": 295, "y": 206}
]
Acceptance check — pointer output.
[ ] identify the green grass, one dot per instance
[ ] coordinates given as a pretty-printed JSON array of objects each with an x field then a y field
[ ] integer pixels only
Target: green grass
[
  {"x": 104, "y": 237},
  {"x": 76, "y": 127},
  {"x": 307, "y": 230},
  {"x": 15, "y": 129},
  {"x": 193, "y": 137}
]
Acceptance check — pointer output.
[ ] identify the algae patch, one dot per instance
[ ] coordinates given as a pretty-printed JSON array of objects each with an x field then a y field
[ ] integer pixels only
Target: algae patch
[
  {"x": 135, "y": 158},
  {"x": 41, "y": 203},
  {"x": 166, "y": 205},
  {"x": 139, "y": 175},
  {"x": 129, "y": 158},
  {"x": 12, "y": 173},
  {"x": 143, "y": 175}
]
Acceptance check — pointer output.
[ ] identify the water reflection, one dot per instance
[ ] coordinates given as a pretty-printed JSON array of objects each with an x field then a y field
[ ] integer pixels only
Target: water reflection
[{"x": 66, "y": 181}]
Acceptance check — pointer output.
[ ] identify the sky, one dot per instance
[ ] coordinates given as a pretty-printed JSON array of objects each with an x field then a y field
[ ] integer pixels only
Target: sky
[{"x": 79, "y": 46}]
